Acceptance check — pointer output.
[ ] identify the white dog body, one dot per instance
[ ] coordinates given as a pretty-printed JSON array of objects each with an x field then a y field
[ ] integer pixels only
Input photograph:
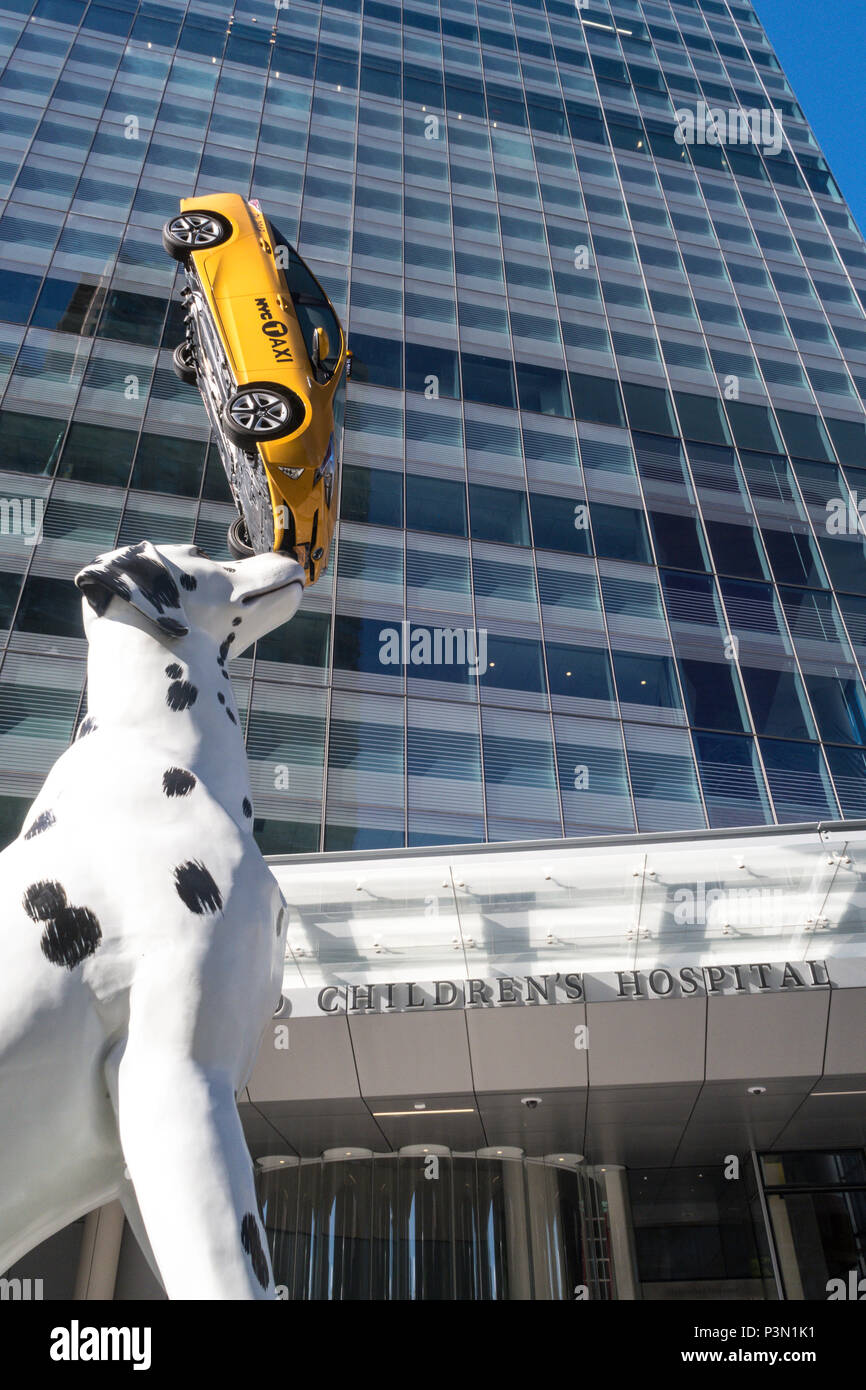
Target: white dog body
[{"x": 143, "y": 941}]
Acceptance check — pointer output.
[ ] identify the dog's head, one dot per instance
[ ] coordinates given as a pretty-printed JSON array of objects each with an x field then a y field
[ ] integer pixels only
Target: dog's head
[{"x": 178, "y": 589}]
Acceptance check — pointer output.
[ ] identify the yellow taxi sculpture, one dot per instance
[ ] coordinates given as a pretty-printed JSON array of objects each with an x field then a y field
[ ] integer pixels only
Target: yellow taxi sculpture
[{"x": 268, "y": 354}]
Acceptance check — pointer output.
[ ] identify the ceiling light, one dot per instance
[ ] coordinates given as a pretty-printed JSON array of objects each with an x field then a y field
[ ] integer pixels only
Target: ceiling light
[
  {"x": 839, "y": 1093},
  {"x": 384, "y": 1114}
]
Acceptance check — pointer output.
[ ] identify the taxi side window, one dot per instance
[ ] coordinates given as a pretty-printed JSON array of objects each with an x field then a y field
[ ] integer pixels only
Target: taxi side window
[{"x": 311, "y": 306}]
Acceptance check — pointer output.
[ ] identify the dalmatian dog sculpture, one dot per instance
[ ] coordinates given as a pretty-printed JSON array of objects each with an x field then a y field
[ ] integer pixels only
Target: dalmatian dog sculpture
[{"x": 143, "y": 935}]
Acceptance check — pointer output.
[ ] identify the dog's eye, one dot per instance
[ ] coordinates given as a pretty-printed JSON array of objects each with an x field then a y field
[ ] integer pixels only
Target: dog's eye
[{"x": 203, "y": 553}]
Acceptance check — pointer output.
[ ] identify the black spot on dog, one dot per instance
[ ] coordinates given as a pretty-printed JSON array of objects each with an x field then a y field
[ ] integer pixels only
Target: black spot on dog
[
  {"x": 44, "y": 900},
  {"x": 176, "y": 781},
  {"x": 236, "y": 622},
  {"x": 230, "y": 639},
  {"x": 151, "y": 576},
  {"x": 281, "y": 917},
  {"x": 252, "y": 1243},
  {"x": 221, "y": 697},
  {"x": 133, "y": 566},
  {"x": 99, "y": 586},
  {"x": 230, "y": 715},
  {"x": 42, "y": 822},
  {"x": 196, "y": 887},
  {"x": 71, "y": 933},
  {"x": 225, "y": 675},
  {"x": 224, "y": 651},
  {"x": 71, "y": 937},
  {"x": 181, "y": 695},
  {"x": 188, "y": 581},
  {"x": 87, "y": 726},
  {"x": 246, "y": 807},
  {"x": 173, "y": 670}
]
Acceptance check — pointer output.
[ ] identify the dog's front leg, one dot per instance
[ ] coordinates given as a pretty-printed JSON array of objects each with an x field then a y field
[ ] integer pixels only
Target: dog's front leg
[{"x": 188, "y": 1162}]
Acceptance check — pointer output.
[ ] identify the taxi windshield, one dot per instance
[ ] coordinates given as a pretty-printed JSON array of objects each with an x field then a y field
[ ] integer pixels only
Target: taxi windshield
[{"x": 311, "y": 304}]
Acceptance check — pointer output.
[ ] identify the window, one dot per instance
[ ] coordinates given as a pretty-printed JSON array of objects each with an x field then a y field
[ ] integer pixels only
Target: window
[
  {"x": 713, "y": 696},
  {"x": 513, "y": 663},
  {"x": 646, "y": 680},
  {"x": 431, "y": 369},
  {"x": 798, "y": 780},
  {"x": 17, "y": 293},
  {"x": 702, "y": 418},
  {"x": 848, "y": 767},
  {"x": 839, "y": 703},
  {"x": 754, "y": 427},
  {"x": 596, "y": 399},
  {"x": 579, "y": 673},
  {"x": 805, "y": 436},
  {"x": 488, "y": 381},
  {"x": 736, "y": 549},
  {"x": 543, "y": 390},
  {"x": 648, "y": 409},
  {"x": 50, "y": 606},
  {"x": 849, "y": 437},
  {"x": 435, "y": 504},
  {"x": 620, "y": 533},
  {"x": 133, "y": 318},
  {"x": 377, "y": 360},
  {"x": 732, "y": 781},
  {"x": 679, "y": 541},
  {"x": 10, "y": 585},
  {"x": 778, "y": 703},
  {"x": 358, "y": 647},
  {"x": 167, "y": 463},
  {"x": 304, "y": 643},
  {"x": 560, "y": 523},
  {"x": 68, "y": 306},
  {"x": 30, "y": 444},
  {"x": 498, "y": 514},
  {"x": 372, "y": 495}
]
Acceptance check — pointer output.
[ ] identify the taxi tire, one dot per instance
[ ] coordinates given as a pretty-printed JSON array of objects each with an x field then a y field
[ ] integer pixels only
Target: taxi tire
[
  {"x": 248, "y": 438},
  {"x": 238, "y": 540},
  {"x": 182, "y": 365},
  {"x": 180, "y": 250}
]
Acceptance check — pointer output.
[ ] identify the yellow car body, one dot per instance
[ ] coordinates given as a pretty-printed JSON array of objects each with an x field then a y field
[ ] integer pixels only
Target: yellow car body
[{"x": 258, "y": 318}]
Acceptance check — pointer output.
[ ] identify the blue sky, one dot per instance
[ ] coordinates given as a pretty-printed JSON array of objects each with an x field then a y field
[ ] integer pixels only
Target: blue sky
[{"x": 821, "y": 44}]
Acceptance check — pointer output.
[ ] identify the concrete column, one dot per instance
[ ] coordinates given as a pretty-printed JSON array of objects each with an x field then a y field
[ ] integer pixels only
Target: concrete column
[
  {"x": 622, "y": 1254},
  {"x": 516, "y": 1229},
  {"x": 100, "y": 1252}
]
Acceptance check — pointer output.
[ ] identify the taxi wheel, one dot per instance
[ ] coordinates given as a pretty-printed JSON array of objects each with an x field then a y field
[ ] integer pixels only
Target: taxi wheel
[
  {"x": 183, "y": 364},
  {"x": 260, "y": 412},
  {"x": 194, "y": 231},
  {"x": 239, "y": 540}
]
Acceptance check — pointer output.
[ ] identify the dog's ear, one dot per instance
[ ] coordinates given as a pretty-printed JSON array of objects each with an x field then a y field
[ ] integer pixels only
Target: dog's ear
[{"x": 138, "y": 574}]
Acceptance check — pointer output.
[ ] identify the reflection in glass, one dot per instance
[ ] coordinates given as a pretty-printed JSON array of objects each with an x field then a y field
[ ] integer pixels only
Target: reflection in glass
[{"x": 426, "y": 1224}]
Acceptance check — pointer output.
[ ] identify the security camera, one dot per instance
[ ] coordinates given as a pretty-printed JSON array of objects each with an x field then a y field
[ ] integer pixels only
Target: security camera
[
  {"x": 757, "y": 1090},
  {"x": 531, "y": 1102}
]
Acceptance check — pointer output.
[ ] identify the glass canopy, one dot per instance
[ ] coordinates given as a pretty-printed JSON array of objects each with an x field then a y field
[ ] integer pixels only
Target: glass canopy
[{"x": 774, "y": 895}]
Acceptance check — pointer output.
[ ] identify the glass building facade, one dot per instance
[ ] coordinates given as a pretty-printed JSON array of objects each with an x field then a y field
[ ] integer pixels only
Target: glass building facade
[{"x": 606, "y": 408}]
